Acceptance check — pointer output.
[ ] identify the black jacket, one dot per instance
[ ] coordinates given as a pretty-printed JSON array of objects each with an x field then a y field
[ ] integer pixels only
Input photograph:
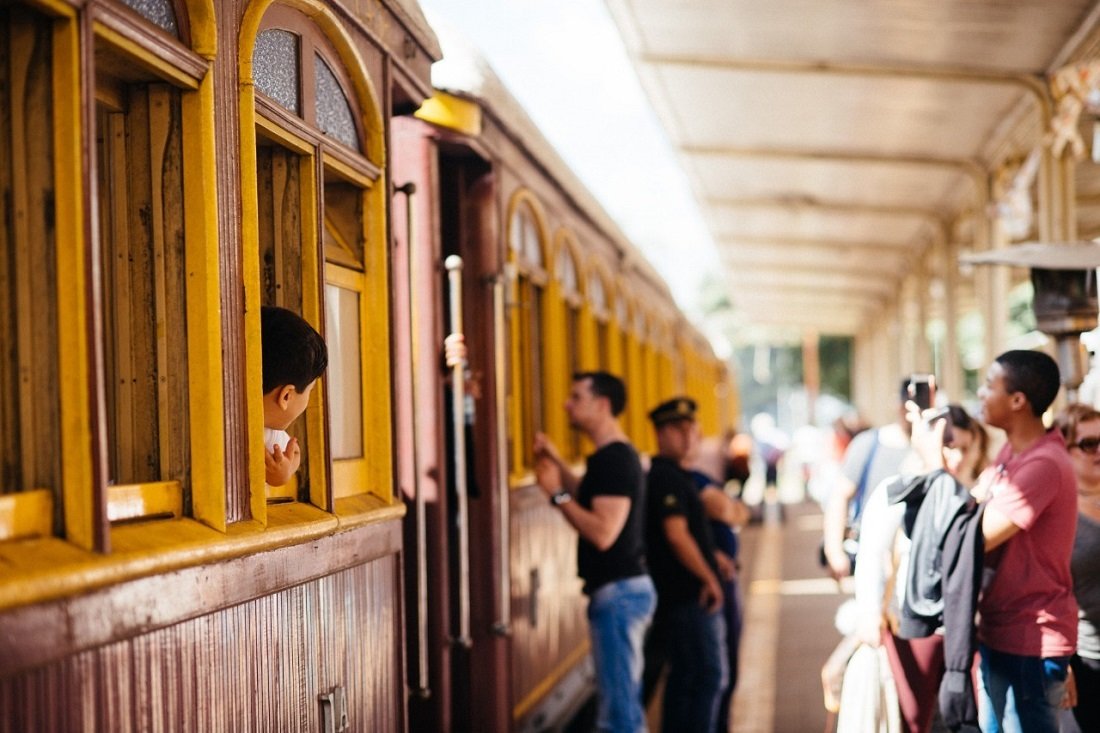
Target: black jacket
[
  {"x": 964, "y": 558},
  {"x": 933, "y": 501}
]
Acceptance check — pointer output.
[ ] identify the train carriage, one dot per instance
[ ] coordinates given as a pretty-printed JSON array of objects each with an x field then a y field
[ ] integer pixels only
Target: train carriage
[
  {"x": 170, "y": 166},
  {"x": 549, "y": 287}
]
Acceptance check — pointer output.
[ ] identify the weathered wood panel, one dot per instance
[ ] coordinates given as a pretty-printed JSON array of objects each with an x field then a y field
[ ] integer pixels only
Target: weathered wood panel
[
  {"x": 259, "y": 665},
  {"x": 549, "y": 629}
]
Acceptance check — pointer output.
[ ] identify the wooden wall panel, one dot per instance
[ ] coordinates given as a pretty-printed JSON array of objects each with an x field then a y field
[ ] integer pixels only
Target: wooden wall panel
[
  {"x": 549, "y": 629},
  {"x": 259, "y": 665}
]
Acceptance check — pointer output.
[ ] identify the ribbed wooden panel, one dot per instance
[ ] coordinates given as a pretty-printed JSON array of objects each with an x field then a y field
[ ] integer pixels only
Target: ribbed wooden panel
[
  {"x": 259, "y": 666},
  {"x": 542, "y": 539}
]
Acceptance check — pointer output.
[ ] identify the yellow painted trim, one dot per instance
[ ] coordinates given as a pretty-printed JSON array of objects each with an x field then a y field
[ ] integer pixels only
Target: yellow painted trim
[
  {"x": 311, "y": 311},
  {"x": 72, "y": 282},
  {"x": 287, "y": 491},
  {"x": 285, "y": 137},
  {"x": 351, "y": 476},
  {"x": 202, "y": 18},
  {"x": 451, "y": 112},
  {"x": 204, "y": 308},
  {"x": 353, "y": 175},
  {"x": 54, "y": 7},
  {"x": 144, "y": 58},
  {"x": 26, "y": 514},
  {"x": 361, "y": 509},
  {"x": 134, "y": 501},
  {"x": 40, "y": 570},
  {"x": 550, "y": 681}
]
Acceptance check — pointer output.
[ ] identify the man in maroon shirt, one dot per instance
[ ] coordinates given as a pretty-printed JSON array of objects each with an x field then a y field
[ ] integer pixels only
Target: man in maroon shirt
[{"x": 1028, "y": 627}]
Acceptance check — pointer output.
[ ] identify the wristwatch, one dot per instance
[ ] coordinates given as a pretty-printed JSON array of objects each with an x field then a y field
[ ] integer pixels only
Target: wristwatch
[{"x": 561, "y": 496}]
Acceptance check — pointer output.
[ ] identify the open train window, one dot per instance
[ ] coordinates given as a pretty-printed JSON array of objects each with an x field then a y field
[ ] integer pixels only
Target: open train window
[
  {"x": 139, "y": 165},
  {"x": 320, "y": 240},
  {"x": 526, "y": 244},
  {"x": 30, "y": 450}
]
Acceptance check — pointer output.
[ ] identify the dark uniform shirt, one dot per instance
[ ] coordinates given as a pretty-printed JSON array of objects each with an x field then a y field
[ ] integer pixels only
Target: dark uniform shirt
[
  {"x": 613, "y": 470},
  {"x": 671, "y": 492}
]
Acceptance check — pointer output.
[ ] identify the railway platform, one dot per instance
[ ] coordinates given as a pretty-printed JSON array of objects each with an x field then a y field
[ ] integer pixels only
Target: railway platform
[{"x": 789, "y": 631}]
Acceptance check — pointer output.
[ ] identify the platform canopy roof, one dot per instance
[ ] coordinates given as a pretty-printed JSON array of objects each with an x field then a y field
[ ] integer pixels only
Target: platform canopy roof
[{"x": 830, "y": 143}]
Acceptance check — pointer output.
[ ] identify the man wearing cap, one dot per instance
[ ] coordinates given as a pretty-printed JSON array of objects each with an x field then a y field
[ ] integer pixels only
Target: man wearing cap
[
  {"x": 689, "y": 630},
  {"x": 605, "y": 506}
]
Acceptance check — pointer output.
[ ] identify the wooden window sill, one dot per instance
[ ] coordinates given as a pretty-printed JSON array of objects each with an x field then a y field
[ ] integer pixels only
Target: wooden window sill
[{"x": 40, "y": 569}]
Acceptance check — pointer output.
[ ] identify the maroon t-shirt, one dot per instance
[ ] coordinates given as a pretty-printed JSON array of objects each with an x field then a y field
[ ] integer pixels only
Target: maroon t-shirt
[{"x": 1028, "y": 608}]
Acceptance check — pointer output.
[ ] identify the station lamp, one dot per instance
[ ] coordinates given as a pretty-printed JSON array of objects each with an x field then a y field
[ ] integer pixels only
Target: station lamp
[{"x": 1065, "y": 302}]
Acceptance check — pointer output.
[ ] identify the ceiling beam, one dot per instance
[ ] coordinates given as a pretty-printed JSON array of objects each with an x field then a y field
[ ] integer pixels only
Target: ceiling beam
[
  {"x": 842, "y": 207},
  {"x": 819, "y": 261},
  {"x": 968, "y": 166},
  {"x": 1032, "y": 83}
]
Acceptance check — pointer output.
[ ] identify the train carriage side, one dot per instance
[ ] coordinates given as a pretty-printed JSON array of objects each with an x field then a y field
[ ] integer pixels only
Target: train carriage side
[
  {"x": 167, "y": 167},
  {"x": 550, "y": 287}
]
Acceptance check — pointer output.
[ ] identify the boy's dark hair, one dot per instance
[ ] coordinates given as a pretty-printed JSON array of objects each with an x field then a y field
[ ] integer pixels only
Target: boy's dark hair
[
  {"x": 1033, "y": 373},
  {"x": 294, "y": 353},
  {"x": 606, "y": 385}
]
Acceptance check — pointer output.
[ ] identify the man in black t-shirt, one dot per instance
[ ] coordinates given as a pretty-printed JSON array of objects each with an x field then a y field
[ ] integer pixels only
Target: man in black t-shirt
[
  {"x": 689, "y": 631},
  {"x": 605, "y": 507}
]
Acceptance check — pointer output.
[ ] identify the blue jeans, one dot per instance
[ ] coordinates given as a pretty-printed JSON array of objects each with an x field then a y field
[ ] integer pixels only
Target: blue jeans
[
  {"x": 618, "y": 616},
  {"x": 698, "y": 668},
  {"x": 1018, "y": 694}
]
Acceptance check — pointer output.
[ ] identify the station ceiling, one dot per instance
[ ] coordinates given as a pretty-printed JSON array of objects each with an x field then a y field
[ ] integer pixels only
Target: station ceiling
[{"x": 830, "y": 143}]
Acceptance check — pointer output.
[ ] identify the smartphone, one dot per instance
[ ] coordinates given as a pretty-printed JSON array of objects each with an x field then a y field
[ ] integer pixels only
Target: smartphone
[{"x": 921, "y": 388}]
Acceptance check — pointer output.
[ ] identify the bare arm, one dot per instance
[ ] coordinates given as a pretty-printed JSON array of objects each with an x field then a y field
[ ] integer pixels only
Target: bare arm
[
  {"x": 723, "y": 508},
  {"x": 996, "y": 528},
  {"x": 833, "y": 525},
  {"x": 603, "y": 523},
  {"x": 691, "y": 557}
]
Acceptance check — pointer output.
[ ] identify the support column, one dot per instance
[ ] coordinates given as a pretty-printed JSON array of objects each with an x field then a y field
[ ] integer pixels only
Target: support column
[
  {"x": 922, "y": 353},
  {"x": 951, "y": 376}
]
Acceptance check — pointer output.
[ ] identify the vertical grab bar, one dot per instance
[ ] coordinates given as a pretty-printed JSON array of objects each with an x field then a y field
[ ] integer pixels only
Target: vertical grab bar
[
  {"x": 423, "y": 688},
  {"x": 453, "y": 264},
  {"x": 504, "y": 619}
]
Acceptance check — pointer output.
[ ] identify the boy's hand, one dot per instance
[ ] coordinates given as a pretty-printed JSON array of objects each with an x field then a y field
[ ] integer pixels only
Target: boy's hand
[{"x": 280, "y": 465}]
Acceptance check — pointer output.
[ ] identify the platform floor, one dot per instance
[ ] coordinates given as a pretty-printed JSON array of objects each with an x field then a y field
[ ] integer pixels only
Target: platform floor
[{"x": 789, "y": 629}]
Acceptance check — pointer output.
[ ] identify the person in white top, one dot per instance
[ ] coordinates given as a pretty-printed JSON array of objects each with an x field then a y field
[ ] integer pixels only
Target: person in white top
[{"x": 294, "y": 356}]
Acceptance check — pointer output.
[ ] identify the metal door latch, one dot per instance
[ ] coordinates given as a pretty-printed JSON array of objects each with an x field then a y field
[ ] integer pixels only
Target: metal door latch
[{"x": 334, "y": 711}]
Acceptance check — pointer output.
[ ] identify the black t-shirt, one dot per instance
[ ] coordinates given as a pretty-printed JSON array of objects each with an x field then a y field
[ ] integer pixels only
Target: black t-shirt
[
  {"x": 613, "y": 470},
  {"x": 671, "y": 492}
]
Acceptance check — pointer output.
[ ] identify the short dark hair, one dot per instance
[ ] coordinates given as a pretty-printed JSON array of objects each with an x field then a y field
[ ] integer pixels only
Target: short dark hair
[
  {"x": 606, "y": 385},
  {"x": 1034, "y": 374},
  {"x": 293, "y": 352}
]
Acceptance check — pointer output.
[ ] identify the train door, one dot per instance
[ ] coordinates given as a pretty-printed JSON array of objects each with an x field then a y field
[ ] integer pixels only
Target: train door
[
  {"x": 479, "y": 525},
  {"x": 456, "y": 651}
]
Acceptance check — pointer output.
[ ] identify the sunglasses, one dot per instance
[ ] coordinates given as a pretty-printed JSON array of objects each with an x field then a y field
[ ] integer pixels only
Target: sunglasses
[{"x": 1088, "y": 445}]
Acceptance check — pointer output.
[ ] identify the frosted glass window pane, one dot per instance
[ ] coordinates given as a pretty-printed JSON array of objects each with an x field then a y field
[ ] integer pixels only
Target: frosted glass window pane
[
  {"x": 158, "y": 12},
  {"x": 567, "y": 272},
  {"x": 596, "y": 294},
  {"x": 275, "y": 67},
  {"x": 532, "y": 247},
  {"x": 333, "y": 111},
  {"x": 344, "y": 376}
]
